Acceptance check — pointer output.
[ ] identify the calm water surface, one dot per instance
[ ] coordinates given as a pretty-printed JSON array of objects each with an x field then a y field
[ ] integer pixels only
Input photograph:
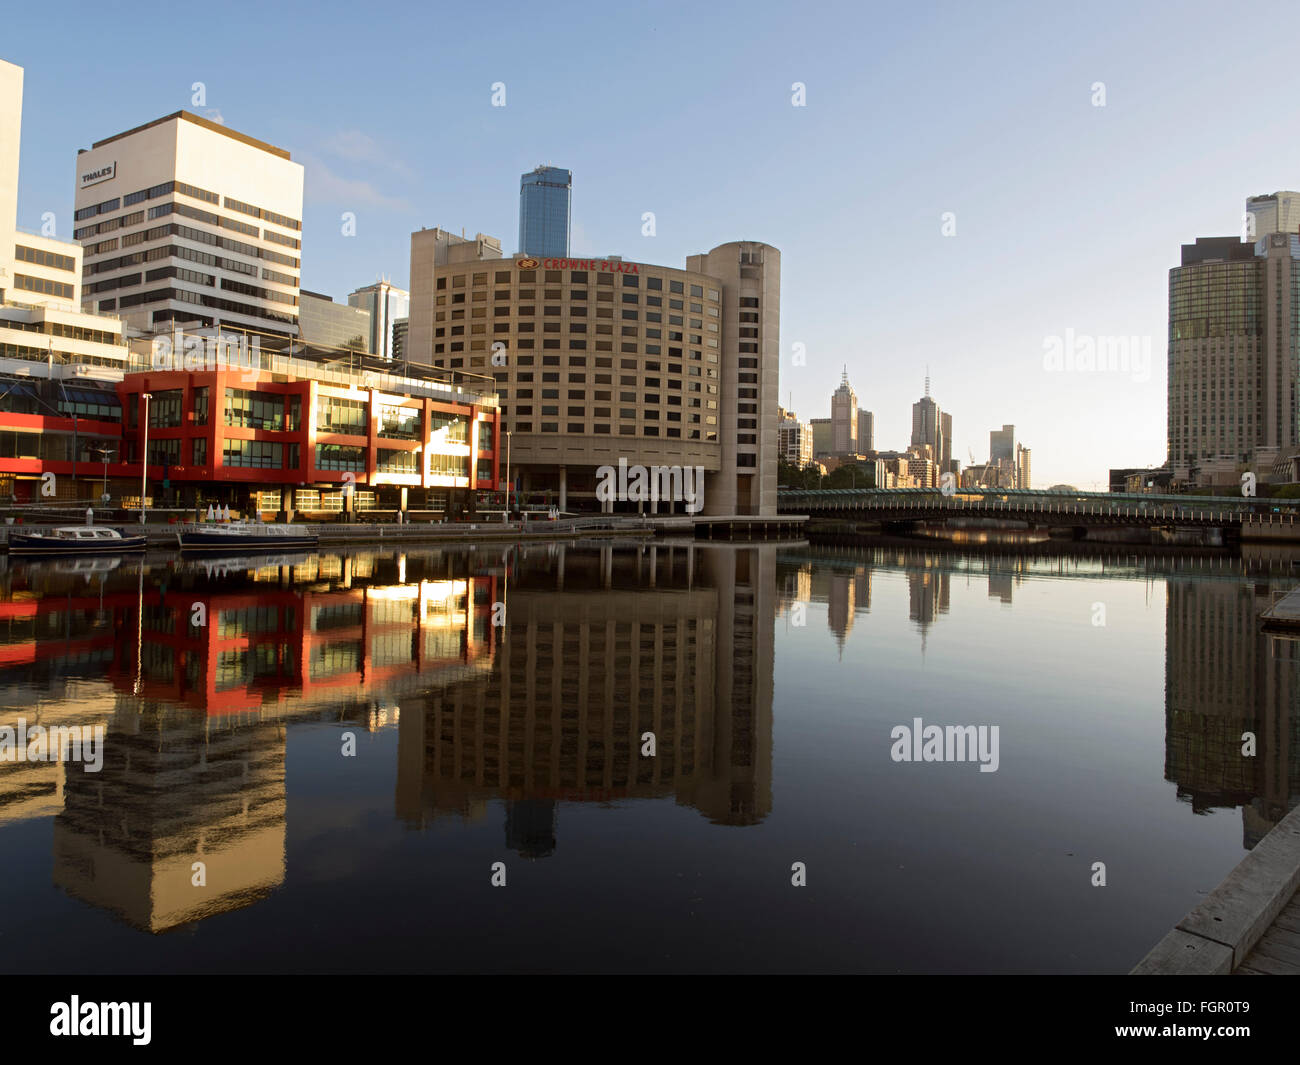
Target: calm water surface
[{"x": 347, "y": 743}]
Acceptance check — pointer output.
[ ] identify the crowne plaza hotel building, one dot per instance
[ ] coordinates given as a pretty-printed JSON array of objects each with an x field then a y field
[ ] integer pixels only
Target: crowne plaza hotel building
[{"x": 602, "y": 360}]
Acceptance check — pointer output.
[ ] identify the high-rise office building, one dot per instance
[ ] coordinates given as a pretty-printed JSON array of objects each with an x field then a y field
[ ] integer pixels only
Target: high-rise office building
[
  {"x": 932, "y": 428},
  {"x": 187, "y": 222},
  {"x": 823, "y": 437},
  {"x": 432, "y": 250},
  {"x": 598, "y": 360},
  {"x": 796, "y": 440},
  {"x": 1233, "y": 349},
  {"x": 1276, "y": 213},
  {"x": 385, "y": 304},
  {"x": 332, "y": 325},
  {"x": 545, "y": 196},
  {"x": 844, "y": 418},
  {"x": 400, "y": 347},
  {"x": 866, "y": 431},
  {"x": 1022, "y": 467},
  {"x": 1002, "y": 444},
  {"x": 11, "y": 120}
]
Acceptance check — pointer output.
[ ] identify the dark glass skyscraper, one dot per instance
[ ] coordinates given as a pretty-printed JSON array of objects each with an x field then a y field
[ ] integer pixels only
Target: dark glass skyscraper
[{"x": 544, "y": 196}]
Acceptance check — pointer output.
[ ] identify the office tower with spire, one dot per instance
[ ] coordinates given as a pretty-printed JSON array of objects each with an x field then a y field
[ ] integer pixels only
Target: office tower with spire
[
  {"x": 844, "y": 418},
  {"x": 932, "y": 428}
]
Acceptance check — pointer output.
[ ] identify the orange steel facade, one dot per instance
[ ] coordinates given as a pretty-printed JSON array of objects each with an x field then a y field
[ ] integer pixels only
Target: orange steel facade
[{"x": 306, "y": 435}]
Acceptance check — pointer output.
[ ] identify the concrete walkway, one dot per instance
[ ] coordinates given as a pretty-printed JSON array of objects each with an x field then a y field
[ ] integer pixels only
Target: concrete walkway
[{"x": 1249, "y": 924}]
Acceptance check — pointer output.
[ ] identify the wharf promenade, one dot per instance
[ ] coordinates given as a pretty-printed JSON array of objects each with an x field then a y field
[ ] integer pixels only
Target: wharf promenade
[
  {"x": 490, "y": 529},
  {"x": 1249, "y": 925}
]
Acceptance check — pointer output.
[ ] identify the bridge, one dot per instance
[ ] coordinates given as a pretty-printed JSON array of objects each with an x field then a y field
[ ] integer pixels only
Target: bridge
[{"x": 1271, "y": 518}]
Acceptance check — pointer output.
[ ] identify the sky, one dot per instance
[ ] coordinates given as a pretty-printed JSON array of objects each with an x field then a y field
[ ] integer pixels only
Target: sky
[{"x": 962, "y": 183}]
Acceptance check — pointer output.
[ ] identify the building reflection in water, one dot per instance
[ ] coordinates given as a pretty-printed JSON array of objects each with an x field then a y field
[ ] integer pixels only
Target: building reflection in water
[
  {"x": 1224, "y": 675},
  {"x": 197, "y": 671},
  {"x": 600, "y": 647}
]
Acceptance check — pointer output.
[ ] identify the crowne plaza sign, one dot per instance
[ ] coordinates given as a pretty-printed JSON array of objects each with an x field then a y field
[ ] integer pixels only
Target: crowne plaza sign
[{"x": 602, "y": 266}]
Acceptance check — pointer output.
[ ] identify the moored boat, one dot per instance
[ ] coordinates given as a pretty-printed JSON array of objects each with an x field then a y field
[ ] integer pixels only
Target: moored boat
[
  {"x": 245, "y": 537},
  {"x": 74, "y": 540}
]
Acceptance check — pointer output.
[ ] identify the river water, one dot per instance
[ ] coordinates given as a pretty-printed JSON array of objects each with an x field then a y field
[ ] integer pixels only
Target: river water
[{"x": 440, "y": 760}]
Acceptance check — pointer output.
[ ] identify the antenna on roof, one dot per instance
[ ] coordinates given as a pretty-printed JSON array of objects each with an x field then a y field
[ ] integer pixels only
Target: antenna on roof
[{"x": 927, "y": 380}]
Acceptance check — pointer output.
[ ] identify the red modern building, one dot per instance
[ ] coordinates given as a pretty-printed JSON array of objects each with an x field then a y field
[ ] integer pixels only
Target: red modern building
[{"x": 262, "y": 435}]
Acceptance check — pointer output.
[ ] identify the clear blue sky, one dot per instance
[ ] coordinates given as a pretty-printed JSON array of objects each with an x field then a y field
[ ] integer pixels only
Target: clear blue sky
[{"x": 1068, "y": 215}]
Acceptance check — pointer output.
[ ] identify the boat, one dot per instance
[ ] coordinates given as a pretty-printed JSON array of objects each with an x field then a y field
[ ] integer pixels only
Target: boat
[
  {"x": 74, "y": 540},
  {"x": 244, "y": 537}
]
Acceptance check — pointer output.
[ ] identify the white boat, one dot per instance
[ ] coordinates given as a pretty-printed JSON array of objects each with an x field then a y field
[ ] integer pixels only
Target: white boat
[{"x": 74, "y": 540}]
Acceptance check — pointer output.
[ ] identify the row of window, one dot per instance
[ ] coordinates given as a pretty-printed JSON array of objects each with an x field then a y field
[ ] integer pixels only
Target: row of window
[
  {"x": 52, "y": 259},
  {"x": 576, "y": 277},
  {"x": 44, "y": 286},
  {"x": 174, "y": 229},
  {"x": 601, "y": 428}
]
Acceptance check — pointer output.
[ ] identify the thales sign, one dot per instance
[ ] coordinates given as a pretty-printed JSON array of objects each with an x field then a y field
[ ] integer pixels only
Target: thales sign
[{"x": 103, "y": 173}]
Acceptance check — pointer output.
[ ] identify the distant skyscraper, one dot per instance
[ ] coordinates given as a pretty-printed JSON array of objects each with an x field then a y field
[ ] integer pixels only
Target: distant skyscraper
[
  {"x": 332, "y": 325},
  {"x": 386, "y": 304},
  {"x": 1002, "y": 444},
  {"x": 823, "y": 437},
  {"x": 844, "y": 418},
  {"x": 545, "y": 212},
  {"x": 930, "y": 426},
  {"x": 1278, "y": 213},
  {"x": 398, "y": 338},
  {"x": 795, "y": 439},
  {"x": 1022, "y": 467},
  {"x": 866, "y": 431}
]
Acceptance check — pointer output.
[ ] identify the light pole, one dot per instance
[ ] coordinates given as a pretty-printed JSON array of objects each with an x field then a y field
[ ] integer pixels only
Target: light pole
[
  {"x": 506, "y": 516},
  {"x": 104, "y": 453},
  {"x": 144, "y": 465}
]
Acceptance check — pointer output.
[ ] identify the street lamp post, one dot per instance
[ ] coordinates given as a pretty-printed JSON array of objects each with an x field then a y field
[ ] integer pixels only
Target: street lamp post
[
  {"x": 104, "y": 453},
  {"x": 506, "y": 516},
  {"x": 144, "y": 464}
]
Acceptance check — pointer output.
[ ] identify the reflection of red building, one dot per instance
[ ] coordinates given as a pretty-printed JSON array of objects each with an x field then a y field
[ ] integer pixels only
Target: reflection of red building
[{"x": 232, "y": 652}]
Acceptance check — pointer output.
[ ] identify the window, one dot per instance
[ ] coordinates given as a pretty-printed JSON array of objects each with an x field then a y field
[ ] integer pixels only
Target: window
[
  {"x": 393, "y": 461},
  {"x": 256, "y": 454},
  {"x": 165, "y": 409},
  {"x": 164, "y": 452},
  {"x": 399, "y": 423},
  {"x": 335, "y": 414},
  {"x": 340, "y": 457},
  {"x": 254, "y": 410}
]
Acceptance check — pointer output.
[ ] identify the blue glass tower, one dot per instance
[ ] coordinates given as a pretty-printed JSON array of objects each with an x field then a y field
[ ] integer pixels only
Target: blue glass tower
[{"x": 544, "y": 196}]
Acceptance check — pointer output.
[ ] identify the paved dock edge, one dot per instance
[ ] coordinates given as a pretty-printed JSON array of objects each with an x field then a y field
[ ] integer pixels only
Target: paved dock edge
[{"x": 1215, "y": 937}]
